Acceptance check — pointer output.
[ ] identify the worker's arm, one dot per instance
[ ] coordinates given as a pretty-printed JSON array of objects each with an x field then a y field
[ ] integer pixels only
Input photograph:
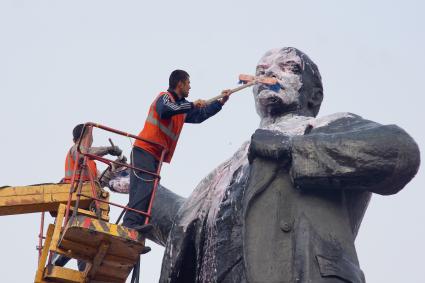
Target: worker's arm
[
  {"x": 198, "y": 115},
  {"x": 166, "y": 108},
  {"x": 99, "y": 150},
  {"x": 164, "y": 211}
]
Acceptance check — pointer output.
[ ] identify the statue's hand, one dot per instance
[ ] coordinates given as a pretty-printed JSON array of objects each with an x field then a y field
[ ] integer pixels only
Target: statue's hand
[{"x": 270, "y": 145}]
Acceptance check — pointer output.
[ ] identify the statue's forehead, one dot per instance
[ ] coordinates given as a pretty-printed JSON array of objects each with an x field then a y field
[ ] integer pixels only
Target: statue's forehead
[{"x": 280, "y": 55}]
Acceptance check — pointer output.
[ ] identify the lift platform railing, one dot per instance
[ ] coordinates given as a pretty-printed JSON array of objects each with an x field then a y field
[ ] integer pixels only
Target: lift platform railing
[{"x": 80, "y": 167}]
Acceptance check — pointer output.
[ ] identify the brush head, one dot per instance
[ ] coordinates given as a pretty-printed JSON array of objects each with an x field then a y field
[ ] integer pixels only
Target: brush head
[{"x": 263, "y": 80}]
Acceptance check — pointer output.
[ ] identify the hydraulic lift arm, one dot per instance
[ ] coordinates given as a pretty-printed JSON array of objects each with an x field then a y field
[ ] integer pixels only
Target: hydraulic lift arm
[{"x": 43, "y": 198}]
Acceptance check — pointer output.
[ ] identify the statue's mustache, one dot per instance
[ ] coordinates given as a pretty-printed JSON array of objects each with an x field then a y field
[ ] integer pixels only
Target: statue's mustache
[
  {"x": 275, "y": 88},
  {"x": 267, "y": 97}
]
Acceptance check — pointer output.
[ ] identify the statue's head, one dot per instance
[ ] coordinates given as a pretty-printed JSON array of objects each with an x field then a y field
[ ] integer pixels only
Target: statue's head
[{"x": 299, "y": 88}]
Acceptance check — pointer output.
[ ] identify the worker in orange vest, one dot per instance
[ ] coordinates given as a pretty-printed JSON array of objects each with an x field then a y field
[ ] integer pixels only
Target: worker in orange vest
[
  {"x": 86, "y": 147},
  {"x": 167, "y": 114}
]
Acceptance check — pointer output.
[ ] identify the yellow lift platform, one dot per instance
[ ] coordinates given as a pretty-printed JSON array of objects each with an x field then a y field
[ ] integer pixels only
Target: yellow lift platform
[
  {"x": 81, "y": 229},
  {"x": 109, "y": 250}
]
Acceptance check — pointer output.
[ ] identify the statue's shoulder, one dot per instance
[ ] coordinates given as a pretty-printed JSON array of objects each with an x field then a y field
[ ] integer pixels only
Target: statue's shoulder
[{"x": 339, "y": 122}]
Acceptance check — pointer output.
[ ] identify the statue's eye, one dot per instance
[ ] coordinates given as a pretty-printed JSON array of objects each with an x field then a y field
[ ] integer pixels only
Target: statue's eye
[
  {"x": 290, "y": 66},
  {"x": 296, "y": 69}
]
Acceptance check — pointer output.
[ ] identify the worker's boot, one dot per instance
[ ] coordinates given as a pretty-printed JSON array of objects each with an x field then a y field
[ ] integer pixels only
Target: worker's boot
[
  {"x": 145, "y": 250},
  {"x": 144, "y": 229}
]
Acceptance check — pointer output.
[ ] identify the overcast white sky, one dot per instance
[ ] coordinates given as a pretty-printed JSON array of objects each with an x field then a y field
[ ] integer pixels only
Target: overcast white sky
[{"x": 68, "y": 62}]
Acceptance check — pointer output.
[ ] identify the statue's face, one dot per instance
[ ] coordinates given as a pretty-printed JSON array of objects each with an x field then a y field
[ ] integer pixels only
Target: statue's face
[{"x": 286, "y": 66}]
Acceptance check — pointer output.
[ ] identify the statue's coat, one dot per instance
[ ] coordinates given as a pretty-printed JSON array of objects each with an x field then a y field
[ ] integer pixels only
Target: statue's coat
[{"x": 292, "y": 212}]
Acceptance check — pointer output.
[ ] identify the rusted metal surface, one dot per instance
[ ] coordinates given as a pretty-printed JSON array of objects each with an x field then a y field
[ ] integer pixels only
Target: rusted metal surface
[
  {"x": 110, "y": 250},
  {"x": 98, "y": 259}
]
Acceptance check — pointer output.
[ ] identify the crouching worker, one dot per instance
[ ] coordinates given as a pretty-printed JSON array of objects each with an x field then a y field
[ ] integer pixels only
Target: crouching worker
[
  {"x": 86, "y": 147},
  {"x": 84, "y": 175}
]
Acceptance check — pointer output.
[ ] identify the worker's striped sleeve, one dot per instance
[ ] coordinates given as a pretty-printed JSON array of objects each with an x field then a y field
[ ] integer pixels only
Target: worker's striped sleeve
[
  {"x": 199, "y": 115},
  {"x": 167, "y": 108}
]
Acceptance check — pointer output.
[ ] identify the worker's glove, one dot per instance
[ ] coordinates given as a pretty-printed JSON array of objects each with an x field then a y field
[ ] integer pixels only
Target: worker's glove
[
  {"x": 200, "y": 103},
  {"x": 114, "y": 150},
  {"x": 106, "y": 176},
  {"x": 122, "y": 159},
  {"x": 270, "y": 145}
]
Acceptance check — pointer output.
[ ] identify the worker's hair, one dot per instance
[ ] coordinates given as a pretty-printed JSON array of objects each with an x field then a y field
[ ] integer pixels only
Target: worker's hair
[
  {"x": 76, "y": 132},
  {"x": 176, "y": 77}
]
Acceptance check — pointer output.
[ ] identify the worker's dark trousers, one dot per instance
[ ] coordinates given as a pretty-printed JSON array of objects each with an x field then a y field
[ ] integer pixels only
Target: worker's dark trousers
[{"x": 141, "y": 186}]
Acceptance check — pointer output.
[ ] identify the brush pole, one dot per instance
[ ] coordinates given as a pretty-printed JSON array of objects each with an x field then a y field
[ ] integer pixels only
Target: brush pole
[{"x": 232, "y": 91}]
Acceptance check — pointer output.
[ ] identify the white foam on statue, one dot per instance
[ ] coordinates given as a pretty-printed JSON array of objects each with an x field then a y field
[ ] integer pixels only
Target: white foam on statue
[{"x": 279, "y": 62}]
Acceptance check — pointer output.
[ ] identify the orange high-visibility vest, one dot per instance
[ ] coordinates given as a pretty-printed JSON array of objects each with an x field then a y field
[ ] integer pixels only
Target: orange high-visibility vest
[
  {"x": 165, "y": 132},
  {"x": 69, "y": 169}
]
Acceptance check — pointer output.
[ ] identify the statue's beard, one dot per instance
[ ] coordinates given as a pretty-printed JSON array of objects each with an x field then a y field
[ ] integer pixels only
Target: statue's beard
[{"x": 273, "y": 104}]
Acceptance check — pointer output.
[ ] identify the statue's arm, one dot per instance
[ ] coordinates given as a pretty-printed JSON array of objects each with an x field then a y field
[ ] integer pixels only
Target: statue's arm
[
  {"x": 164, "y": 210},
  {"x": 354, "y": 154}
]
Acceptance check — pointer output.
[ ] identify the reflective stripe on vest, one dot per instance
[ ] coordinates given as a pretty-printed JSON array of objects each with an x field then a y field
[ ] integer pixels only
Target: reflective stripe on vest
[
  {"x": 69, "y": 172},
  {"x": 166, "y": 130},
  {"x": 69, "y": 169}
]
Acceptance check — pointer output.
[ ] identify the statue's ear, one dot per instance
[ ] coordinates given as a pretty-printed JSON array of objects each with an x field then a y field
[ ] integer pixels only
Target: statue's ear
[{"x": 315, "y": 100}]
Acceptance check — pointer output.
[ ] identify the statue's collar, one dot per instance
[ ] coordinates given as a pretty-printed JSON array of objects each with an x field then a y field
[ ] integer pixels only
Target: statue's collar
[{"x": 291, "y": 124}]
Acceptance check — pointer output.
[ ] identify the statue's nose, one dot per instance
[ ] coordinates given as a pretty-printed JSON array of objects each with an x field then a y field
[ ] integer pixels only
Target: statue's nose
[{"x": 271, "y": 74}]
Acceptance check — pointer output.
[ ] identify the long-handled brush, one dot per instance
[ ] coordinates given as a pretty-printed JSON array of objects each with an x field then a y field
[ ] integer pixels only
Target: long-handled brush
[{"x": 247, "y": 81}]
